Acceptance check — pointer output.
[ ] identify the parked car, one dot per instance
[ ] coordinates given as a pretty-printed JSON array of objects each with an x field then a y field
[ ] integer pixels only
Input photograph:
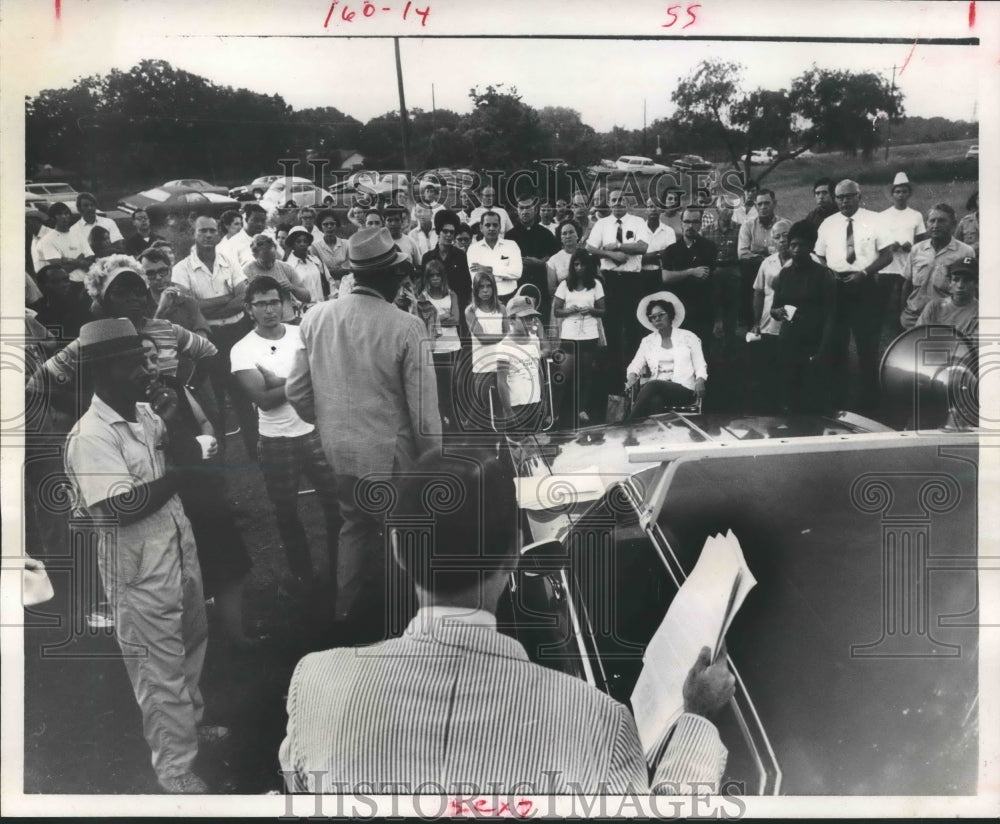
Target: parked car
[
  {"x": 49, "y": 193},
  {"x": 164, "y": 201},
  {"x": 296, "y": 192},
  {"x": 692, "y": 163},
  {"x": 973, "y": 153},
  {"x": 759, "y": 157},
  {"x": 856, "y": 653},
  {"x": 639, "y": 164},
  {"x": 196, "y": 185},
  {"x": 254, "y": 190}
]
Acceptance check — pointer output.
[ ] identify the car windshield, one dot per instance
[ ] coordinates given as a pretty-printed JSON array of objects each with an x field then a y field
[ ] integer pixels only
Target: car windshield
[
  {"x": 159, "y": 195},
  {"x": 59, "y": 189}
]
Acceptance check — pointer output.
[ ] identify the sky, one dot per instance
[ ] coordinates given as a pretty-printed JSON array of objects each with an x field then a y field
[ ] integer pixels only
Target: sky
[{"x": 608, "y": 81}]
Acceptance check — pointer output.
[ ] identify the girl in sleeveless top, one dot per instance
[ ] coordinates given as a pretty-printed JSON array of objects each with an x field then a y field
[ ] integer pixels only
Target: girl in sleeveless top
[
  {"x": 487, "y": 323},
  {"x": 444, "y": 333}
]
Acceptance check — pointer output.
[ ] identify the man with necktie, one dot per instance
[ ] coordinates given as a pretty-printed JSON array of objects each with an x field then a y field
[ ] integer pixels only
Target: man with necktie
[{"x": 853, "y": 243}]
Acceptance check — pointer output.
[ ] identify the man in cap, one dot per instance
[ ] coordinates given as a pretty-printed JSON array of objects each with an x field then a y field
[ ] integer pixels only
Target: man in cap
[
  {"x": 925, "y": 274},
  {"x": 366, "y": 378},
  {"x": 904, "y": 226},
  {"x": 440, "y": 705},
  {"x": 961, "y": 308},
  {"x": 309, "y": 269},
  {"x": 122, "y": 459},
  {"x": 854, "y": 245},
  {"x": 519, "y": 366}
]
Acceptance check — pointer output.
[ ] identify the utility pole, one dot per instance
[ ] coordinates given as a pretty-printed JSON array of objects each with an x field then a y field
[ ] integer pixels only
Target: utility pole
[
  {"x": 888, "y": 121},
  {"x": 644, "y": 125},
  {"x": 403, "y": 120}
]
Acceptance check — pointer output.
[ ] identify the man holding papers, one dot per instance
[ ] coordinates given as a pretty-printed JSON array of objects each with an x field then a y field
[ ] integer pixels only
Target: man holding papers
[{"x": 455, "y": 702}]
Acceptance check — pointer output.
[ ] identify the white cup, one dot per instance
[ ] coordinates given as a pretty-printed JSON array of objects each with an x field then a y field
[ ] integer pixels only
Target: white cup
[
  {"x": 208, "y": 444},
  {"x": 790, "y": 310}
]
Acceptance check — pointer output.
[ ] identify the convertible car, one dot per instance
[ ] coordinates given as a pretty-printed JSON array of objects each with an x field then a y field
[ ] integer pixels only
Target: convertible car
[{"x": 857, "y": 652}]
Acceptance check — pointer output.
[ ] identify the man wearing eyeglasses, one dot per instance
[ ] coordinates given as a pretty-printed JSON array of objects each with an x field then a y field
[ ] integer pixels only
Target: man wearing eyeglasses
[
  {"x": 688, "y": 269},
  {"x": 620, "y": 240},
  {"x": 854, "y": 245},
  {"x": 456, "y": 263},
  {"x": 288, "y": 446}
]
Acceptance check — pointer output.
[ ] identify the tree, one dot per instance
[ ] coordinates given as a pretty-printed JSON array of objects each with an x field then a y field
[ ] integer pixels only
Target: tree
[
  {"x": 837, "y": 106},
  {"x": 822, "y": 106},
  {"x": 569, "y": 138},
  {"x": 504, "y": 132}
]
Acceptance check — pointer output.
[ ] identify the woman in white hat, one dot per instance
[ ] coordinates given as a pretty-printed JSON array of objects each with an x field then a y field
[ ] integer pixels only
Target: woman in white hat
[{"x": 672, "y": 356}]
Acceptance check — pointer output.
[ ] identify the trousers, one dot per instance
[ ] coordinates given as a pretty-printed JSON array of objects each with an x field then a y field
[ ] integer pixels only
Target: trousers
[{"x": 155, "y": 592}]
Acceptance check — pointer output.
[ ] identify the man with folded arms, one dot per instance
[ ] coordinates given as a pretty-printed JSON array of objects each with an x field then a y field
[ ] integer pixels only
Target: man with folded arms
[{"x": 497, "y": 256}]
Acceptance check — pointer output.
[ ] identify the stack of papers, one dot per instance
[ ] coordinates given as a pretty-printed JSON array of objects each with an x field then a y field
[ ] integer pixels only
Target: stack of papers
[{"x": 699, "y": 616}]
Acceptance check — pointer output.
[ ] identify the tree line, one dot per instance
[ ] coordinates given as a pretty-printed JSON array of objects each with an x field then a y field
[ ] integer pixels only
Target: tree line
[{"x": 156, "y": 121}]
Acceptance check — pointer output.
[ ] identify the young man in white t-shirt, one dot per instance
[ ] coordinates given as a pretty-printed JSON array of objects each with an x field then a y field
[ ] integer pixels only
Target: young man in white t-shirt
[
  {"x": 764, "y": 333},
  {"x": 288, "y": 447},
  {"x": 904, "y": 226},
  {"x": 519, "y": 368}
]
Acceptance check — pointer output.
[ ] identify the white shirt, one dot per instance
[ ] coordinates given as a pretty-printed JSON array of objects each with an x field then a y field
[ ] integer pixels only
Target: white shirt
[
  {"x": 408, "y": 247},
  {"x": 558, "y": 265},
  {"x": 82, "y": 230},
  {"x": 578, "y": 327},
  {"x": 605, "y": 234},
  {"x": 688, "y": 360},
  {"x": 276, "y": 356},
  {"x": 36, "y": 248},
  {"x": 484, "y": 354},
  {"x": 424, "y": 243},
  {"x": 663, "y": 237},
  {"x": 524, "y": 375},
  {"x": 504, "y": 258},
  {"x": 237, "y": 249},
  {"x": 766, "y": 274},
  {"x": 901, "y": 226},
  {"x": 505, "y": 222},
  {"x": 57, "y": 245},
  {"x": 311, "y": 272},
  {"x": 869, "y": 238},
  {"x": 220, "y": 281}
]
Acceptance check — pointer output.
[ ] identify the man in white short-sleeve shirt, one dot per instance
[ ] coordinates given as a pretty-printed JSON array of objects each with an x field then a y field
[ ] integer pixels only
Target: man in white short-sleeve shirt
[
  {"x": 853, "y": 243},
  {"x": 288, "y": 447},
  {"x": 86, "y": 205}
]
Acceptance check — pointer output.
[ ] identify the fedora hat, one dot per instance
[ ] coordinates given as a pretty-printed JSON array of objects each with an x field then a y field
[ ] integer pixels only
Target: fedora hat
[
  {"x": 108, "y": 338},
  {"x": 371, "y": 249},
  {"x": 671, "y": 298}
]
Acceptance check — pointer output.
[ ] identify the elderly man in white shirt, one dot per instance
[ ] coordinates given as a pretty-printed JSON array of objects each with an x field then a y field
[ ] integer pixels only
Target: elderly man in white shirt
[
  {"x": 497, "y": 256},
  {"x": 620, "y": 240},
  {"x": 854, "y": 245}
]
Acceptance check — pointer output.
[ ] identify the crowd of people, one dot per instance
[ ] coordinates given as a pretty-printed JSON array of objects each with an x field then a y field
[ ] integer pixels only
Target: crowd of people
[{"x": 348, "y": 354}]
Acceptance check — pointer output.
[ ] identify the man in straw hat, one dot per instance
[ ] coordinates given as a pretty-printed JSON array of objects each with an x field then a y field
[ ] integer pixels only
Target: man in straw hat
[
  {"x": 365, "y": 377},
  {"x": 122, "y": 458}
]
